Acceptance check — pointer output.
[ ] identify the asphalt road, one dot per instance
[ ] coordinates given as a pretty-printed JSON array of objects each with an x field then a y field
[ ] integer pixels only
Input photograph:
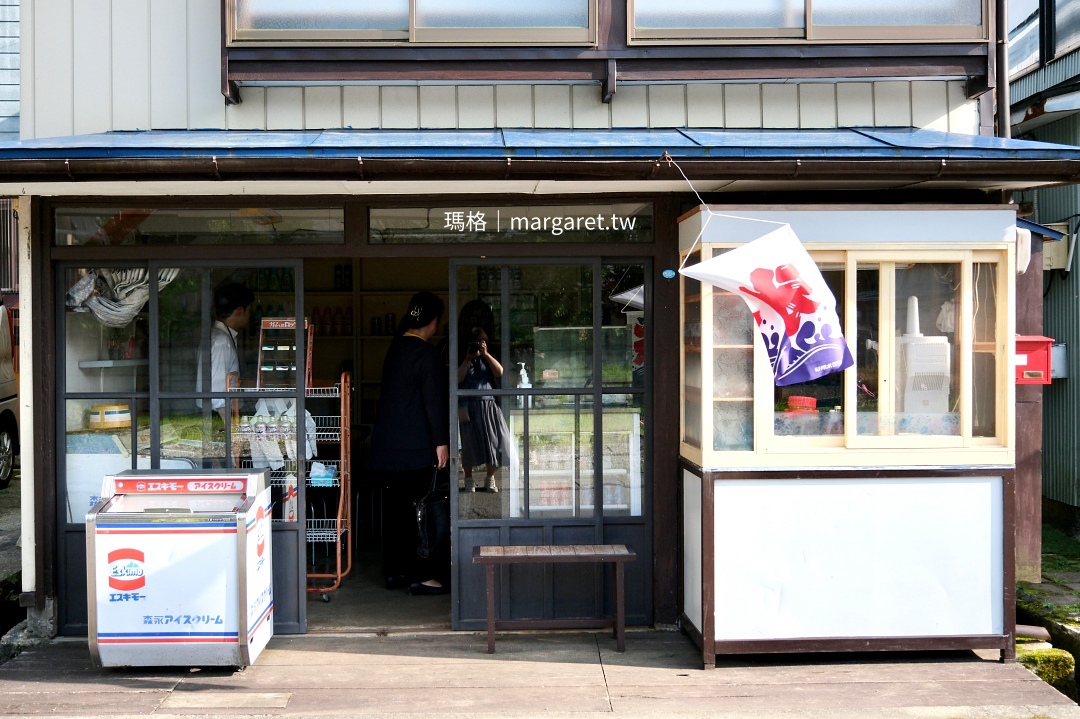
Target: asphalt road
[{"x": 10, "y": 517}]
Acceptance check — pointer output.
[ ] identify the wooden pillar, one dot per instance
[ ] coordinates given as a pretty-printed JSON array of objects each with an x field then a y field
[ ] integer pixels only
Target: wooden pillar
[{"x": 1029, "y": 321}]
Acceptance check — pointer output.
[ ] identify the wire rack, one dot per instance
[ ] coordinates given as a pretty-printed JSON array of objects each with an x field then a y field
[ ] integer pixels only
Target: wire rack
[
  {"x": 281, "y": 477},
  {"x": 327, "y": 427},
  {"x": 325, "y": 530},
  {"x": 328, "y": 391}
]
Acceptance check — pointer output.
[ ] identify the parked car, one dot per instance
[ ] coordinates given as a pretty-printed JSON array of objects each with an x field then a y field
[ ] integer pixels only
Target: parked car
[{"x": 9, "y": 399}]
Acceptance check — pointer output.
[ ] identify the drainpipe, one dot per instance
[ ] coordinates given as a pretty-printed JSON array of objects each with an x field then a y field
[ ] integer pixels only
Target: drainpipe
[{"x": 1004, "y": 105}]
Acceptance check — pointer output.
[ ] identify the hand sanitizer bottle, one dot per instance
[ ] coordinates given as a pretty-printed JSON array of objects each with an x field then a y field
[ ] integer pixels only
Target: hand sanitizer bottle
[{"x": 523, "y": 382}]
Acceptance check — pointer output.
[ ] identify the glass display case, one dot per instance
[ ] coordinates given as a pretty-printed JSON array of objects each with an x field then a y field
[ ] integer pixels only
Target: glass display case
[{"x": 927, "y": 329}]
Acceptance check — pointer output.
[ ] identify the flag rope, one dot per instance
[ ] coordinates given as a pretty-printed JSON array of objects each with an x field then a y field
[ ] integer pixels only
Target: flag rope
[{"x": 666, "y": 157}]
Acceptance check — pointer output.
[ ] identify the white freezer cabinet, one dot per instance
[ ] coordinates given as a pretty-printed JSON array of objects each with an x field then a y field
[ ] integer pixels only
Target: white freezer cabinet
[{"x": 179, "y": 569}]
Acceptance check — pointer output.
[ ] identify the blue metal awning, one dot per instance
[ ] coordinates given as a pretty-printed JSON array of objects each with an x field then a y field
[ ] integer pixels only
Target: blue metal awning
[
  {"x": 901, "y": 154},
  {"x": 1036, "y": 229},
  {"x": 849, "y": 143}
]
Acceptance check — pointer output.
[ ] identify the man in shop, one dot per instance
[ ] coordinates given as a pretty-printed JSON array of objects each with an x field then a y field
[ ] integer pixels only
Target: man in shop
[{"x": 232, "y": 312}]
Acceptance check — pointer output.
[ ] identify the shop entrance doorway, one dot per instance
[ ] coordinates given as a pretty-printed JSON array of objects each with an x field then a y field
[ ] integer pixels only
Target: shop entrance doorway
[{"x": 574, "y": 397}]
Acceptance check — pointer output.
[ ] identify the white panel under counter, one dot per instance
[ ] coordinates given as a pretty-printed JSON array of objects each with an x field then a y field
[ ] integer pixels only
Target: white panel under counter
[{"x": 867, "y": 557}]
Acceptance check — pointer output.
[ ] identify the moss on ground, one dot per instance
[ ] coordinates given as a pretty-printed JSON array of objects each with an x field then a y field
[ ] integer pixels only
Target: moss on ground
[
  {"x": 1053, "y": 666},
  {"x": 1060, "y": 552}
]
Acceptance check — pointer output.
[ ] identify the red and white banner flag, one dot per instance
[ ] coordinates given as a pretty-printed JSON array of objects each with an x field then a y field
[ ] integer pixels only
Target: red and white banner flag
[{"x": 793, "y": 307}]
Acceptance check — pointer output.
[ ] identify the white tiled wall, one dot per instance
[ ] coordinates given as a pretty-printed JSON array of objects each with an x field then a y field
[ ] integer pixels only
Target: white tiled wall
[{"x": 98, "y": 65}]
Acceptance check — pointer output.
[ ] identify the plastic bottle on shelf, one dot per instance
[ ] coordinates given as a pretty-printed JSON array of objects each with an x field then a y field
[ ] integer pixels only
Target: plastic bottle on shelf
[
  {"x": 337, "y": 324},
  {"x": 347, "y": 326},
  {"x": 280, "y": 311},
  {"x": 325, "y": 325},
  {"x": 339, "y": 281},
  {"x": 286, "y": 279},
  {"x": 273, "y": 282},
  {"x": 260, "y": 280},
  {"x": 316, "y": 319},
  {"x": 256, "y": 318}
]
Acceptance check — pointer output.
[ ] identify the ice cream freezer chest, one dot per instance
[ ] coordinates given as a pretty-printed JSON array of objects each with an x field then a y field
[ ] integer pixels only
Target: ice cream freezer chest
[{"x": 179, "y": 570}]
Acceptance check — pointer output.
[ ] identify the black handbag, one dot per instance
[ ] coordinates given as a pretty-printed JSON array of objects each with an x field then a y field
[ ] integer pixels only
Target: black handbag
[{"x": 432, "y": 518}]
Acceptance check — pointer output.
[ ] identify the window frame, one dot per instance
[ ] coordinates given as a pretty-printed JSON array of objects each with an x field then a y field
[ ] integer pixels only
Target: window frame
[
  {"x": 810, "y": 33},
  {"x": 236, "y": 37}
]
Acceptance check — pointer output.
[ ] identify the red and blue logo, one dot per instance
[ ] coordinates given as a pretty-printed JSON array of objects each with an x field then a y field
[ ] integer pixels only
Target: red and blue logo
[
  {"x": 260, "y": 531},
  {"x": 127, "y": 571}
]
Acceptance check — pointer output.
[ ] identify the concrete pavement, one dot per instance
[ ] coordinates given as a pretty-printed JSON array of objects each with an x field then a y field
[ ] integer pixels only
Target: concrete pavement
[{"x": 553, "y": 674}]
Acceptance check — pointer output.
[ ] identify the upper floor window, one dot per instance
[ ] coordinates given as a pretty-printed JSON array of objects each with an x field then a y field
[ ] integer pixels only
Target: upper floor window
[
  {"x": 1066, "y": 26},
  {"x": 902, "y": 20},
  {"x": 502, "y": 22},
  {"x": 1024, "y": 35}
]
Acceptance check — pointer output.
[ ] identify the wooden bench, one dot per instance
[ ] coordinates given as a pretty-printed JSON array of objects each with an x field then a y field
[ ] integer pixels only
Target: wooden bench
[{"x": 616, "y": 554}]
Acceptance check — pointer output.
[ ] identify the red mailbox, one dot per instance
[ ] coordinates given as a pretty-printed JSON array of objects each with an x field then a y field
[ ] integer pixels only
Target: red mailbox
[{"x": 1033, "y": 359}]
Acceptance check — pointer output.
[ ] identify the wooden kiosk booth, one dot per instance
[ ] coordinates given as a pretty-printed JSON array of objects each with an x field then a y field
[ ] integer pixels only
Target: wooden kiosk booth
[{"x": 868, "y": 509}]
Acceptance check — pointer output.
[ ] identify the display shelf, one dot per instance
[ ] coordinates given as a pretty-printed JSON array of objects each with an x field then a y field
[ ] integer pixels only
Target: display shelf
[
  {"x": 280, "y": 477},
  {"x": 109, "y": 363},
  {"x": 325, "y": 530},
  {"x": 327, "y": 391}
]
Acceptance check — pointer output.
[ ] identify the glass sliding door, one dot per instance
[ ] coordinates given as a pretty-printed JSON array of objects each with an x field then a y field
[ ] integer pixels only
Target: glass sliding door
[{"x": 549, "y": 379}]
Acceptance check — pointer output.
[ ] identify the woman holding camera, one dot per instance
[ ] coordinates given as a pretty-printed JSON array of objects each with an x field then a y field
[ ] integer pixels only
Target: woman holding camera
[{"x": 485, "y": 438}]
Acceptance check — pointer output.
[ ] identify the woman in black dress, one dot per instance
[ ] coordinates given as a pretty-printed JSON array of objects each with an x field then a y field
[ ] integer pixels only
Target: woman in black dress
[{"x": 411, "y": 438}]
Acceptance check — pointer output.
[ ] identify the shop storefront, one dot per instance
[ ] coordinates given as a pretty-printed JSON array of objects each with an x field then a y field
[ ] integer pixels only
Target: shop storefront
[
  {"x": 568, "y": 261},
  {"x": 134, "y": 362}
]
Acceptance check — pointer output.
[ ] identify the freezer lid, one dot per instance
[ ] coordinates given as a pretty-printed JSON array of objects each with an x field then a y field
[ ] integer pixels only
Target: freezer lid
[{"x": 179, "y": 505}]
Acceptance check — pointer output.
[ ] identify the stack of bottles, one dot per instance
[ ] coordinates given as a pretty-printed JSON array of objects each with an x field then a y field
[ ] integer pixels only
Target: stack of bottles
[{"x": 332, "y": 321}]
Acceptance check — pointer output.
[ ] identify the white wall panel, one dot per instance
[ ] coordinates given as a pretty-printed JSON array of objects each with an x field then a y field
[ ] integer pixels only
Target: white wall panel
[
  {"x": 779, "y": 105},
  {"x": 589, "y": 108},
  {"x": 131, "y": 64},
  {"x": 360, "y": 107},
  {"x": 251, "y": 113},
  {"x": 400, "y": 107},
  {"x": 92, "y": 106},
  {"x": 284, "y": 108},
  {"x": 630, "y": 106},
  {"x": 817, "y": 105},
  {"x": 930, "y": 105},
  {"x": 476, "y": 106},
  {"x": 855, "y": 104},
  {"x": 438, "y": 106},
  {"x": 742, "y": 105},
  {"x": 667, "y": 106},
  {"x": 513, "y": 105},
  {"x": 26, "y": 74},
  {"x": 552, "y": 105},
  {"x": 892, "y": 104},
  {"x": 963, "y": 113},
  {"x": 322, "y": 107},
  {"x": 206, "y": 106},
  {"x": 692, "y": 549},
  {"x": 705, "y": 105},
  {"x": 168, "y": 64},
  {"x": 53, "y": 68}
]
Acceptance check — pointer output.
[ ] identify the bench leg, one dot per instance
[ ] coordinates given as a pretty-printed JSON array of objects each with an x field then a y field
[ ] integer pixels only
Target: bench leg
[
  {"x": 490, "y": 608},
  {"x": 620, "y": 609}
]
